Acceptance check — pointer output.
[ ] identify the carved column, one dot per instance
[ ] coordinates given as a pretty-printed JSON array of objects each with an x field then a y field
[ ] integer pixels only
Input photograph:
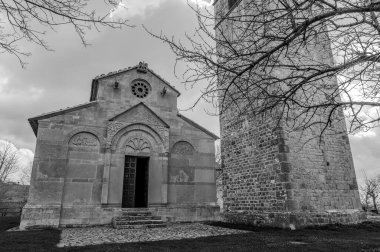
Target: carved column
[{"x": 106, "y": 175}]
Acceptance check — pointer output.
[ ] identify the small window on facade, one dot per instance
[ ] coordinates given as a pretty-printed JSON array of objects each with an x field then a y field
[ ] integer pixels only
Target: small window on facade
[{"x": 140, "y": 89}]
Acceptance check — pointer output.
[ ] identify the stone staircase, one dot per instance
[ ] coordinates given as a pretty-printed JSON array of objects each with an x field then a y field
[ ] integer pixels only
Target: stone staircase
[{"x": 137, "y": 218}]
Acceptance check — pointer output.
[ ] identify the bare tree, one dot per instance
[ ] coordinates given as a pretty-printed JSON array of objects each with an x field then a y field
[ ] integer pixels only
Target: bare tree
[
  {"x": 8, "y": 165},
  {"x": 370, "y": 191},
  {"x": 27, "y": 21},
  {"x": 310, "y": 63},
  {"x": 8, "y": 160},
  {"x": 25, "y": 174}
]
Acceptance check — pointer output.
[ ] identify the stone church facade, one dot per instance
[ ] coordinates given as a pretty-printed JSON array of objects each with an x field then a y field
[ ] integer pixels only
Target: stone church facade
[
  {"x": 281, "y": 178},
  {"x": 126, "y": 148}
]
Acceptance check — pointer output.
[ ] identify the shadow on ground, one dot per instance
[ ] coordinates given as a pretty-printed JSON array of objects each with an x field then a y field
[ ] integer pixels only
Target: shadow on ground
[{"x": 364, "y": 237}]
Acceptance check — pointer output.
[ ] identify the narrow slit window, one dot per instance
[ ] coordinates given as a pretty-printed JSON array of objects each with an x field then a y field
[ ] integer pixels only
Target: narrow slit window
[{"x": 231, "y": 3}]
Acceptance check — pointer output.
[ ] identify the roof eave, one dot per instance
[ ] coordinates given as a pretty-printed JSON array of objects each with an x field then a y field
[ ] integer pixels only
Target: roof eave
[
  {"x": 133, "y": 68},
  {"x": 33, "y": 121},
  {"x": 196, "y": 125},
  {"x": 34, "y": 125}
]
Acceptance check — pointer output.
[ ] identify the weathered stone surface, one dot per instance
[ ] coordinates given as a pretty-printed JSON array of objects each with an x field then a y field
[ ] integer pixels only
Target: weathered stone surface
[
  {"x": 298, "y": 219},
  {"x": 81, "y": 151},
  {"x": 270, "y": 171}
]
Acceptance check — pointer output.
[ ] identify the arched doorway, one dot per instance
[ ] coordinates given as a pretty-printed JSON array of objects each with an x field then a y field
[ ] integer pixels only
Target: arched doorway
[
  {"x": 136, "y": 181},
  {"x": 138, "y": 168}
]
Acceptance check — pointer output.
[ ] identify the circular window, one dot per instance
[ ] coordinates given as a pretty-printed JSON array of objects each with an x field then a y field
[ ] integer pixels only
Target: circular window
[{"x": 140, "y": 89}]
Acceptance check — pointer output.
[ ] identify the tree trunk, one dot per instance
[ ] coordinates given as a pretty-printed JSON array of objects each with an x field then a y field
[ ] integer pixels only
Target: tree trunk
[{"x": 374, "y": 202}]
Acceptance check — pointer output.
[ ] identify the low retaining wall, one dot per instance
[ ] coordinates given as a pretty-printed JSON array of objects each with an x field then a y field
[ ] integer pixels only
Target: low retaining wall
[
  {"x": 180, "y": 213},
  {"x": 188, "y": 213},
  {"x": 295, "y": 220},
  {"x": 36, "y": 216},
  {"x": 11, "y": 208}
]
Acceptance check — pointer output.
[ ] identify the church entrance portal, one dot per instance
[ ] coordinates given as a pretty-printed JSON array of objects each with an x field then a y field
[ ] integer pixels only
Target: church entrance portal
[{"x": 135, "y": 187}]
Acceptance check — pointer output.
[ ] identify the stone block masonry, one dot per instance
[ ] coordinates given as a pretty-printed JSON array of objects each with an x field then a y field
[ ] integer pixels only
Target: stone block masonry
[
  {"x": 126, "y": 148},
  {"x": 274, "y": 176}
]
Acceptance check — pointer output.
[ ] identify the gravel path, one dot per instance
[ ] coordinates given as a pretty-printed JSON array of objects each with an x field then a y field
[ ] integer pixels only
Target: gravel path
[{"x": 100, "y": 235}]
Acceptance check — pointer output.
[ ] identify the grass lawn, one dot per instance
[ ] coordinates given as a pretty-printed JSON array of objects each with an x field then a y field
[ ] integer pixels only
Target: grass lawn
[{"x": 364, "y": 237}]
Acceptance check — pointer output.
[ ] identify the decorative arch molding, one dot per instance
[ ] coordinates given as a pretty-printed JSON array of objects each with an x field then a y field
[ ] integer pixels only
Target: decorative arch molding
[
  {"x": 125, "y": 139},
  {"x": 183, "y": 148},
  {"x": 138, "y": 144},
  {"x": 84, "y": 139},
  {"x": 89, "y": 130},
  {"x": 184, "y": 139},
  {"x": 157, "y": 139}
]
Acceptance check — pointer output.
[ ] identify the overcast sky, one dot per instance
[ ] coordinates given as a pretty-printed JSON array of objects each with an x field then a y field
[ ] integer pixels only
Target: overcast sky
[{"x": 57, "y": 79}]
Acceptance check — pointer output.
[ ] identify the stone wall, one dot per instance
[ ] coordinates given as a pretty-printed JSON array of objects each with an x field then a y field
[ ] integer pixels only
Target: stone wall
[
  {"x": 295, "y": 220},
  {"x": 78, "y": 169},
  {"x": 191, "y": 174},
  {"x": 255, "y": 176},
  {"x": 12, "y": 198},
  {"x": 278, "y": 176}
]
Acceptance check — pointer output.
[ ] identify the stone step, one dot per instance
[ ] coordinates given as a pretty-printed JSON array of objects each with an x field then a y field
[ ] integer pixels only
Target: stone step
[
  {"x": 137, "y": 218},
  {"x": 132, "y": 218},
  {"x": 140, "y": 226},
  {"x": 146, "y": 213},
  {"x": 135, "y": 210},
  {"x": 138, "y": 222}
]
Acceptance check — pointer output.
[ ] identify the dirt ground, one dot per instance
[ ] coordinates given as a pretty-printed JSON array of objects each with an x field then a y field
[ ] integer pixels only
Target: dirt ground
[{"x": 363, "y": 237}]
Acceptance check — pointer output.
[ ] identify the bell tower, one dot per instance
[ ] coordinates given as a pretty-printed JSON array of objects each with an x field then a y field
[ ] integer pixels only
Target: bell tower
[{"x": 279, "y": 177}]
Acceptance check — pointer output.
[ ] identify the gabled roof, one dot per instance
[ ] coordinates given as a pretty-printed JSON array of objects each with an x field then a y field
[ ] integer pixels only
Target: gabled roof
[
  {"x": 94, "y": 85},
  {"x": 34, "y": 120},
  {"x": 198, "y": 126},
  {"x": 145, "y": 106}
]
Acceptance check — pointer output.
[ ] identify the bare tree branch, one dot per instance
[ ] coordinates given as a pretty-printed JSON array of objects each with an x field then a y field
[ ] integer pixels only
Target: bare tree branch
[
  {"x": 27, "y": 21},
  {"x": 305, "y": 63},
  {"x": 8, "y": 160},
  {"x": 370, "y": 192}
]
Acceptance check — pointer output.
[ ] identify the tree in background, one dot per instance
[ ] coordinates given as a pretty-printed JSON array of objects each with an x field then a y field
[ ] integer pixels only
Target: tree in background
[
  {"x": 27, "y": 21},
  {"x": 370, "y": 192},
  {"x": 8, "y": 165},
  {"x": 8, "y": 160},
  {"x": 25, "y": 174},
  {"x": 275, "y": 58}
]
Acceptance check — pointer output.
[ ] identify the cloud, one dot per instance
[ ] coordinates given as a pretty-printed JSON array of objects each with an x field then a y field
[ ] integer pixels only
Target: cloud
[
  {"x": 202, "y": 3},
  {"x": 132, "y": 8},
  {"x": 62, "y": 78},
  {"x": 366, "y": 153},
  {"x": 142, "y": 8},
  {"x": 57, "y": 79},
  {"x": 365, "y": 134}
]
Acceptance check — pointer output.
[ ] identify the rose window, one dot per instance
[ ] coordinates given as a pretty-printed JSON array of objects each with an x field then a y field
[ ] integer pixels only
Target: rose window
[{"x": 140, "y": 89}]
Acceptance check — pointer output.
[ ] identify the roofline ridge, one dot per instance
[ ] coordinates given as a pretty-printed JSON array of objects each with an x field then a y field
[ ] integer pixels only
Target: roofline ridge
[
  {"x": 198, "y": 126},
  {"x": 64, "y": 110},
  {"x": 134, "y": 67},
  {"x": 134, "y": 106}
]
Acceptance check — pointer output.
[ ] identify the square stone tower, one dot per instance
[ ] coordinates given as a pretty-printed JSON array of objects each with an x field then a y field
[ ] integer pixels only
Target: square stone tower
[{"x": 277, "y": 177}]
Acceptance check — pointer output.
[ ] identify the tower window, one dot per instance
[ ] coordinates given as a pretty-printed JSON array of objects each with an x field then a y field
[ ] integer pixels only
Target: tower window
[{"x": 231, "y": 3}]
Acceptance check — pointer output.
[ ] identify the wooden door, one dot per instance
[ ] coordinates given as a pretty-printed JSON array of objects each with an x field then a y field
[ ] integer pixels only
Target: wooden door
[{"x": 129, "y": 184}]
